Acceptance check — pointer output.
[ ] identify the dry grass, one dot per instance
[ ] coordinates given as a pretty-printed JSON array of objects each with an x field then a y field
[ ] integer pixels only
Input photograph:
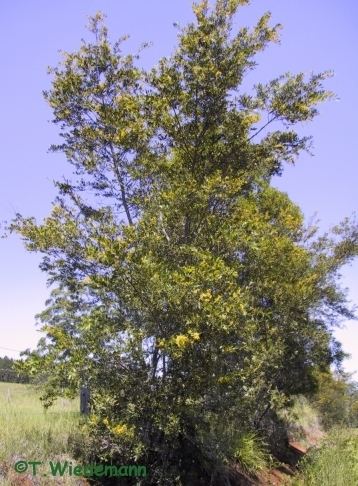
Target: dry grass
[{"x": 28, "y": 432}]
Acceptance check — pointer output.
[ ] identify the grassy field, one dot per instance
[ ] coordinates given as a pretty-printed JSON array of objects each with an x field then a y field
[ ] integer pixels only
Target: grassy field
[
  {"x": 28, "y": 432},
  {"x": 334, "y": 463}
]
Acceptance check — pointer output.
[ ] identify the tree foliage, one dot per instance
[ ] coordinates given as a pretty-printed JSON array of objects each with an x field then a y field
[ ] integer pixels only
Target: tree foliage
[
  {"x": 336, "y": 399},
  {"x": 9, "y": 373},
  {"x": 189, "y": 294}
]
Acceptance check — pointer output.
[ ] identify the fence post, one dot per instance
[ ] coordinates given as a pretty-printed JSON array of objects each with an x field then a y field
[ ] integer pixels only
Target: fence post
[{"x": 84, "y": 400}]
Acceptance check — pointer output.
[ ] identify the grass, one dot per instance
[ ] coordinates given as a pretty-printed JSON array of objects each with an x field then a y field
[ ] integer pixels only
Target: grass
[
  {"x": 334, "y": 463},
  {"x": 251, "y": 453},
  {"x": 28, "y": 432}
]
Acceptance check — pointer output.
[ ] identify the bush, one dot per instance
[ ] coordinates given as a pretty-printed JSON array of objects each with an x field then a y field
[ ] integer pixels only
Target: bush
[{"x": 302, "y": 421}]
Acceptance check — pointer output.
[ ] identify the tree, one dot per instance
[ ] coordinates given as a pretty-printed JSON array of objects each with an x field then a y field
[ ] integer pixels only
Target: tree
[
  {"x": 189, "y": 295},
  {"x": 337, "y": 400},
  {"x": 8, "y": 372}
]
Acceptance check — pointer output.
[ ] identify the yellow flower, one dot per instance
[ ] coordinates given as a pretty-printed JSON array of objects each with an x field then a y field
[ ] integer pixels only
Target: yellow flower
[
  {"x": 93, "y": 420},
  {"x": 122, "y": 430},
  {"x": 160, "y": 343},
  {"x": 206, "y": 296},
  {"x": 181, "y": 340},
  {"x": 106, "y": 421},
  {"x": 195, "y": 335},
  {"x": 224, "y": 379}
]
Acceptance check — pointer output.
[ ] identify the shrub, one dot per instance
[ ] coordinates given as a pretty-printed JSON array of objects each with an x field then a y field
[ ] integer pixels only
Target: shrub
[{"x": 302, "y": 421}]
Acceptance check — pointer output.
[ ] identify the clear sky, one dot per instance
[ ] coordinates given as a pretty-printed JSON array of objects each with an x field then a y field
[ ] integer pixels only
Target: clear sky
[{"x": 317, "y": 35}]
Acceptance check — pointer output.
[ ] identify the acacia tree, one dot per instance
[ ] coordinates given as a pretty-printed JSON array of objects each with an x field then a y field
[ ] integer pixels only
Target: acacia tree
[{"x": 189, "y": 294}]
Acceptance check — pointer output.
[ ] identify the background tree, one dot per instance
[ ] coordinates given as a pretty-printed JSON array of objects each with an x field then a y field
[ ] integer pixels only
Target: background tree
[
  {"x": 189, "y": 294},
  {"x": 337, "y": 400},
  {"x": 9, "y": 373}
]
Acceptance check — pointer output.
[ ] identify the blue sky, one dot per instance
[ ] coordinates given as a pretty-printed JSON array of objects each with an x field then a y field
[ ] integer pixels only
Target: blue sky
[{"x": 316, "y": 36}]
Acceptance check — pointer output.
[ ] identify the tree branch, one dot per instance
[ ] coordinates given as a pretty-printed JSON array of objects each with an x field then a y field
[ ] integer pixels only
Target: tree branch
[{"x": 263, "y": 127}]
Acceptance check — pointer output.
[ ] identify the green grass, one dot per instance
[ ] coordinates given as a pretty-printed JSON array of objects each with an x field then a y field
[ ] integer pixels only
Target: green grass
[
  {"x": 251, "y": 453},
  {"x": 335, "y": 463},
  {"x": 28, "y": 432}
]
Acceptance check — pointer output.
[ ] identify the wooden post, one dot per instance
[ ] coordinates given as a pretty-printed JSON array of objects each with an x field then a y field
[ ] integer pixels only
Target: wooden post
[{"x": 84, "y": 400}]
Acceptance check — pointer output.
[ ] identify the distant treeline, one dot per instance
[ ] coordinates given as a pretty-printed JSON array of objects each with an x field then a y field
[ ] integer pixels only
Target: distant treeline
[{"x": 9, "y": 373}]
